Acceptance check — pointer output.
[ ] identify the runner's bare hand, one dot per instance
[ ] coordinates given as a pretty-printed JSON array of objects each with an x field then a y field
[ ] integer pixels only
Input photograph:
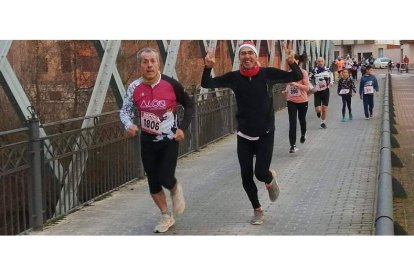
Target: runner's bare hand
[
  {"x": 290, "y": 55},
  {"x": 131, "y": 131},
  {"x": 210, "y": 58},
  {"x": 179, "y": 135}
]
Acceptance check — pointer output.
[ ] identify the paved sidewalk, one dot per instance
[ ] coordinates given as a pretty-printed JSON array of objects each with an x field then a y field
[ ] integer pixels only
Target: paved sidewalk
[{"x": 328, "y": 187}]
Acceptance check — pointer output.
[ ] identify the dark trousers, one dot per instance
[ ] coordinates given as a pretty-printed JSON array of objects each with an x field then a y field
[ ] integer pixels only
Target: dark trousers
[
  {"x": 368, "y": 100},
  {"x": 160, "y": 160},
  {"x": 354, "y": 74},
  {"x": 296, "y": 110},
  {"x": 346, "y": 101},
  {"x": 246, "y": 150}
]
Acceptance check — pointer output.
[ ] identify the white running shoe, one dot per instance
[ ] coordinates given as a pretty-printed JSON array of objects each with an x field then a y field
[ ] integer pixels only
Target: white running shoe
[
  {"x": 258, "y": 217},
  {"x": 165, "y": 223}
]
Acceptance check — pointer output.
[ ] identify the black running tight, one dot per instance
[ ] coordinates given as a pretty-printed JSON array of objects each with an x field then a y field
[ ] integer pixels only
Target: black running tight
[
  {"x": 296, "y": 110},
  {"x": 263, "y": 150}
]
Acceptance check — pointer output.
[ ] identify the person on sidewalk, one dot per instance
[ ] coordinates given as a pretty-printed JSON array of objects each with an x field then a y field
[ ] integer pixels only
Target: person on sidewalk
[
  {"x": 255, "y": 117},
  {"x": 367, "y": 88},
  {"x": 398, "y": 65},
  {"x": 406, "y": 60},
  {"x": 340, "y": 64},
  {"x": 346, "y": 89},
  {"x": 156, "y": 96},
  {"x": 389, "y": 65},
  {"x": 297, "y": 104},
  {"x": 322, "y": 79},
  {"x": 354, "y": 70}
]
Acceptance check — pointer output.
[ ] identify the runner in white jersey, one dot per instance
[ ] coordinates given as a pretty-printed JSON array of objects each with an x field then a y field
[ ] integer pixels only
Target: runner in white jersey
[{"x": 322, "y": 80}]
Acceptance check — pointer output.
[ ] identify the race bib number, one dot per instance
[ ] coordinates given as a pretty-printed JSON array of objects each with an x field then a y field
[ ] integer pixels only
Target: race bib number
[
  {"x": 150, "y": 123},
  {"x": 344, "y": 91},
  {"x": 293, "y": 91},
  {"x": 368, "y": 90},
  {"x": 322, "y": 84}
]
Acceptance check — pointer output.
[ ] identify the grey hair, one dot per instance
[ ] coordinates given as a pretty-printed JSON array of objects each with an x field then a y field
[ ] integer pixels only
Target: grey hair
[
  {"x": 147, "y": 50},
  {"x": 320, "y": 58}
]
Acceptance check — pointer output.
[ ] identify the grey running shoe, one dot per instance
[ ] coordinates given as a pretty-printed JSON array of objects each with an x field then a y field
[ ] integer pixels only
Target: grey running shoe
[
  {"x": 257, "y": 218},
  {"x": 178, "y": 200},
  {"x": 165, "y": 223},
  {"x": 274, "y": 188}
]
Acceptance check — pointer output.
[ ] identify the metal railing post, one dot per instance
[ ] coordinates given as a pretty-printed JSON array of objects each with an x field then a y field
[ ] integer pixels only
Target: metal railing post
[
  {"x": 35, "y": 148},
  {"x": 231, "y": 111},
  {"x": 196, "y": 122}
]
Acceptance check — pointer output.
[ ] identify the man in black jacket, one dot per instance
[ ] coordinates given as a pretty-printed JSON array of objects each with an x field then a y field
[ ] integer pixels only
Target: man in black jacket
[{"x": 255, "y": 117}]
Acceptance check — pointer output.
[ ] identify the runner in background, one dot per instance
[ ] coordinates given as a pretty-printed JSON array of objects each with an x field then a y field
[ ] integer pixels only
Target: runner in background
[
  {"x": 346, "y": 89},
  {"x": 322, "y": 80},
  {"x": 297, "y": 104}
]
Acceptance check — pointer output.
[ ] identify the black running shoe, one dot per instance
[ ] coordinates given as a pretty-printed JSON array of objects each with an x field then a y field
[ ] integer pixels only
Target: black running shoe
[
  {"x": 318, "y": 114},
  {"x": 323, "y": 125},
  {"x": 303, "y": 139},
  {"x": 293, "y": 149}
]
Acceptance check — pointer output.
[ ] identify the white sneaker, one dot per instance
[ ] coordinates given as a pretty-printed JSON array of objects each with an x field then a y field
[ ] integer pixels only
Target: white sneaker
[
  {"x": 178, "y": 200},
  {"x": 165, "y": 223},
  {"x": 258, "y": 217}
]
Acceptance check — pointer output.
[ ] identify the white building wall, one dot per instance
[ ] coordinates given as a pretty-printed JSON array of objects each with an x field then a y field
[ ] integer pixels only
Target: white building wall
[
  {"x": 393, "y": 54},
  {"x": 363, "y": 48}
]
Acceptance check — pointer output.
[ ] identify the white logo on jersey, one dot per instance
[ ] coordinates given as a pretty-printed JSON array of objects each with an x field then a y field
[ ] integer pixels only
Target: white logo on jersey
[{"x": 159, "y": 104}]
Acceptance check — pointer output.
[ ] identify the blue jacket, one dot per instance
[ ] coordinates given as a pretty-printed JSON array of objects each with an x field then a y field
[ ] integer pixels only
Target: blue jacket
[{"x": 367, "y": 81}]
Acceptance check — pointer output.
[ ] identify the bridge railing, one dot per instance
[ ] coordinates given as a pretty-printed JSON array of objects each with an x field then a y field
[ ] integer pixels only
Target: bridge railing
[
  {"x": 384, "y": 218},
  {"x": 45, "y": 178}
]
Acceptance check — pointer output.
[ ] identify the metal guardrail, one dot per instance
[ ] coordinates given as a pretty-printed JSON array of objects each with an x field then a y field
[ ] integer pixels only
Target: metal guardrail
[
  {"x": 384, "y": 221},
  {"x": 44, "y": 178}
]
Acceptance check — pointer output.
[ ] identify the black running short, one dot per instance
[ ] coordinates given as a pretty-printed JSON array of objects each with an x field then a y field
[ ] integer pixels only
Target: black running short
[{"x": 322, "y": 97}]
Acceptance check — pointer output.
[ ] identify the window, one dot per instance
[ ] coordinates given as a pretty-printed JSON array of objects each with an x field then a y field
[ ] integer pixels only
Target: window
[{"x": 380, "y": 52}]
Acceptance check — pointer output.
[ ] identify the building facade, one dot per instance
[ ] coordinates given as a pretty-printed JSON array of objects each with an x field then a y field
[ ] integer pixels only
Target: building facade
[{"x": 359, "y": 49}]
